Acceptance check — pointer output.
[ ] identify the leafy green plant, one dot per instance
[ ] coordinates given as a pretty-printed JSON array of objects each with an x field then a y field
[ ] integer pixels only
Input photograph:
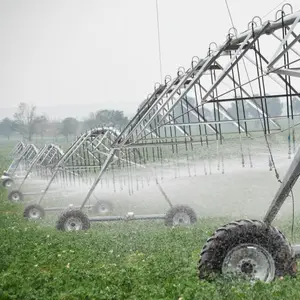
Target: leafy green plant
[{"x": 123, "y": 260}]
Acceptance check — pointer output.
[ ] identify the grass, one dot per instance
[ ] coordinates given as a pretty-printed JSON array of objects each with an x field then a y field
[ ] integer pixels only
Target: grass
[
  {"x": 123, "y": 260},
  {"x": 140, "y": 260}
]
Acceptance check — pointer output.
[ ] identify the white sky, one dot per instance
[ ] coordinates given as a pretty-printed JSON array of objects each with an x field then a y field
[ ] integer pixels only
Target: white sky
[{"x": 71, "y": 52}]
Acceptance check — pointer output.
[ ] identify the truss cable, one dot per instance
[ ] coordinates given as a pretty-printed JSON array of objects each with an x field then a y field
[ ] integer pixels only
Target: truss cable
[
  {"x": 230, "y": 16},
  {"x": 159, "y": 44},
  {"x": 273, "y": 9},
  {"x": 265, "y": 136},
  {"x": 261, "y": 122},
  {"x": 291, "y": 194},
  {"x": 266, "y": 139},
  {"x": 237, "y": 106}
]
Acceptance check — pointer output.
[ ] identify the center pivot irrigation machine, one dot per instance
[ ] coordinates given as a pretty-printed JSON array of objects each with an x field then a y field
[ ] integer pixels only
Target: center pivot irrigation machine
[
  {"x": 224, "y": 99},
  {"x": 22, "y": 156},
  {"x": 20, "y": 146},
  {"x": 14, "y": 153},
  {"x": 74, "y": 172},
  {"x": 39, "y": 171}
]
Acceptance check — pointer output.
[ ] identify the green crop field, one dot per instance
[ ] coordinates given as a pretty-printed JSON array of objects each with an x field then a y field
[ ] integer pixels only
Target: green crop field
[{"x": 122, "y": 260}]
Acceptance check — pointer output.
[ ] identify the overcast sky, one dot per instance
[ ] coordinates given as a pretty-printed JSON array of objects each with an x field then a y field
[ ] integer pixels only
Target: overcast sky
[{"x": 105, "y": 53}]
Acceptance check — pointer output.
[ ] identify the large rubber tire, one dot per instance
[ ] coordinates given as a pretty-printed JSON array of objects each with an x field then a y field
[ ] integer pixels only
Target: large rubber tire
[
  {"x": 184, "y": 212},
  {"x": 15, "y": 196},
  {"x": 244, "y": 232},
  {"x": 73, "y": 220},
  {"x": 103, "y": 207},
  {"x": 7, "y": 183},
  {"x": 34, "y": 212}
]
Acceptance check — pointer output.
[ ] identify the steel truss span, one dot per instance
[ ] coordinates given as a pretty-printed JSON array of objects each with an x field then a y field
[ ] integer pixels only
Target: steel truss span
[{"x": 226, "y": 96}]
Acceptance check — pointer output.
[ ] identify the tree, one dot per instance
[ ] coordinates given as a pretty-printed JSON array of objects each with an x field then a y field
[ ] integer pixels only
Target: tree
[
  {"x": 273, "y": 108},
  {"x": 239, "y": 110},
  {"x": 111, "y": 117},
  {"x": 41, "y": 125},
  {"x": 24, "y": 120},
  {"x": 6, "y": 127},
  {"x": 114, "y": 118},
  {"x": 90, "y": 122},
  {"x": 205, "y": 112},
  {"x": 69, "y": 127},
  {"x": 296, "y": 105}
]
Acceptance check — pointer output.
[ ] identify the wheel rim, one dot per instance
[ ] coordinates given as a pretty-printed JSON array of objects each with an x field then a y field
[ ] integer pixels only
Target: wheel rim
[
  {"x": 73, "y": 224},
  {"x": 250, "y": 261},
  {"x": 15, "y": 197},
  {"x": 34, "y": 214},
  {"x": 181, "y": 218}
]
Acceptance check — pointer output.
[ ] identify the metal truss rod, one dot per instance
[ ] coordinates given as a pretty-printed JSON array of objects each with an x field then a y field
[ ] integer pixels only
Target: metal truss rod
[
  {"x": 150, "y": 107},
  {"x": 288, "y": 72},
  {"x": 235, "y": 59},
  {"x": 197, "y": 72},
  {"x": 138, "y": 117},
  {"x": 279, "y": 53},
  {"x": 33, "y": 163}
]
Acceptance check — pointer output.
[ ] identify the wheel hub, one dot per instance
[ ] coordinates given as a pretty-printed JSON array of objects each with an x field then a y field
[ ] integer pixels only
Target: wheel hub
[
  {"x": 247, "y": 267},
  {"x": 34, "y": 214},
  {"x": 251, "y": 261},
  {"x": 181, "y": 218},
  {"x": 15, "y": 197},
  {"x": 73, "y": 224},
  {"x": 103, "y": 208}
]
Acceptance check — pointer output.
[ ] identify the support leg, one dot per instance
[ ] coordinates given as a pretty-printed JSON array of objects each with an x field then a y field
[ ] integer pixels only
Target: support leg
[
  {"x": 104, "y": 167},
  {"x": 164, "y": 194},
  {"x": 287, "y": 184}
]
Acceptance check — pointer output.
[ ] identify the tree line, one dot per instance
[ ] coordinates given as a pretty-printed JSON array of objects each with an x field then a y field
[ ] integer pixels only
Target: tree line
[{"x": 28, "y": 123}]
